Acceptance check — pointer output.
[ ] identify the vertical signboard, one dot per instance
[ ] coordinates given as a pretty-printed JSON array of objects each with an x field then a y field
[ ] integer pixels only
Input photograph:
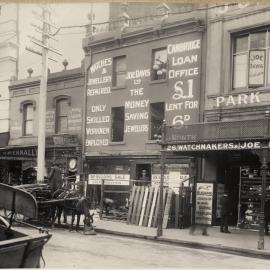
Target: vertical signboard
[
  {"x": 98, "y": 111},
  {"x": 204, "y": 203},
  {"x": 184, "y": 80}
]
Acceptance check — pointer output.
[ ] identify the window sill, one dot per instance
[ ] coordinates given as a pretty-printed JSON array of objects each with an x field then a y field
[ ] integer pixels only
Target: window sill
[
  {"x": 114, "y": 88},
  {"x": 151, "y": 142},
  {"x": 158, "y": 81},
  {"x": 117, "y": 143},
  {"x": 27, "y": 136}
]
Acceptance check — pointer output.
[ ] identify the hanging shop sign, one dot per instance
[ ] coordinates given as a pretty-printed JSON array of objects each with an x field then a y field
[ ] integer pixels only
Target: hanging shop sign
[
  {"x": 256, "y": 68},
  {"x": 204, "y": 203},
  {"x": 109, "y": 179},
  {"x": 214, "y": 146}
]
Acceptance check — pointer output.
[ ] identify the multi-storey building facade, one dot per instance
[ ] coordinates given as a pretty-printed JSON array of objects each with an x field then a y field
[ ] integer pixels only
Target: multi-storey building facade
[
  {"x": 205, "y": 72},
  {"x": 137, "y": 78},
  {"x": 63, "y": 124}
]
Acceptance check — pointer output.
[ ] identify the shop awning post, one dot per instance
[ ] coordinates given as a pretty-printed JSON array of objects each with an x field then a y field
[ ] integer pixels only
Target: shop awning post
[
  {"x": 264, "y": 170},
  {"x": 161, "y": 140}
]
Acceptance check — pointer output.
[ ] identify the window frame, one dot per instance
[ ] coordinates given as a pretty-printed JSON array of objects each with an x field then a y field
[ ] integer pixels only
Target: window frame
[
  {"x": 26, "y": 119},
  {"x": 57, "y": 116},
  {"x": 266, "y": 49},
  {"x": 150, "y": 135},
  {"x": 121, "y": 72},
  {"x": 113, "y": 122},
  {"x": 153, "y": 63}
]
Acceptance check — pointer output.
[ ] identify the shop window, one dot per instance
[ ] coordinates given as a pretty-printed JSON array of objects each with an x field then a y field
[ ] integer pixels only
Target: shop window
[
  {"x": 118, "y": 122},
  {"x": 28, "y": 115},
  {"x": 119, "y": 71},
  {"x": 159, "y": 64},
  {"x": 157, "y": 114},
  {"x": 251, "y": 60},
  {"x": 62, "y": 108}
]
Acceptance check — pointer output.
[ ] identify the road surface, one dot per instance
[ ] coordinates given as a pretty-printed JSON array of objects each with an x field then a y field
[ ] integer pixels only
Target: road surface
[{"x": 75, "y": 250}]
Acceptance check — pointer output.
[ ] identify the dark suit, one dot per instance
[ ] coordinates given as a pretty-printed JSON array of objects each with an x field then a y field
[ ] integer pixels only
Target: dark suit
[{"x": 225, "y": 212}]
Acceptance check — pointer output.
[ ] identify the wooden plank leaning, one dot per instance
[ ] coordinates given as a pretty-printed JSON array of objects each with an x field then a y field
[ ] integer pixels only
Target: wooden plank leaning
[
  {"x": 153, "y": 207},
  {"x": 139, "y": 208},
  {"x": 143, "y": 205},
  {"x": 148, "y": 207},
  {"x": 131, "y": 204},
  {"x": 167, "y": 209},
  {"x": 133, "y": 216}
]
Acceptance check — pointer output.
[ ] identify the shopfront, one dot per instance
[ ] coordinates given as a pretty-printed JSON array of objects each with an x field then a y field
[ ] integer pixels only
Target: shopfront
[
  {"x": 230, "y": 157},
  {"x": 121, "y": 174}
]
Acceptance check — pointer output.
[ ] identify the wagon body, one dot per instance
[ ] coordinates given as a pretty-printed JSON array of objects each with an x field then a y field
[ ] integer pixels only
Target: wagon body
[{"x": 18, "y": 250}]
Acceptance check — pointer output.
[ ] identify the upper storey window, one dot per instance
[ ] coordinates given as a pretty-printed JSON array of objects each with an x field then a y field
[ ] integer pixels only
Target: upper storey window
[
  {"x": 62, "y": 108},
  {"x": 251, "y": 60},
  {"x": 28, "y": 115},
  {"x": 119, "y": 71},
  {"x": 159, "y": 64}
]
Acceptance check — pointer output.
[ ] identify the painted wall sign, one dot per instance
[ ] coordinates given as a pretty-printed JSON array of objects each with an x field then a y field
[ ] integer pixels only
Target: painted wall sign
[
  {"x": 214, "y": 146},
  {"x": 240, "y": 99},
  {"x": 204, "y": 203},
  {"x": 256, "y": 67},
  {"x": 184, "y": 81},
  {"x": 110, "y": 179},
  {"x": 180, "y": 92}
]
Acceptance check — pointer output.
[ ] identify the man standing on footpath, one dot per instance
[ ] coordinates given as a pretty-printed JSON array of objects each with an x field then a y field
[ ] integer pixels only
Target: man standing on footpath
[{"x": 225, "y": 212}]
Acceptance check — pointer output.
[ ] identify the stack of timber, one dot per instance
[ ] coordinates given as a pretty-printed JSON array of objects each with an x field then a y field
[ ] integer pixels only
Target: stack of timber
[{"x": 144, "y": 205}]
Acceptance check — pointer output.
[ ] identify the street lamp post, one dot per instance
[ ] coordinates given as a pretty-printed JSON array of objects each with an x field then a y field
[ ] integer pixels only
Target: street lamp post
[
  {"x": 264, "y": 169},
  {"x": 160, "y": 140}
]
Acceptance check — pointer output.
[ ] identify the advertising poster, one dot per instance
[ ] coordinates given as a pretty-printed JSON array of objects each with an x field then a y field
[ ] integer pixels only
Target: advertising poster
[{"x": 204, "y": 203}]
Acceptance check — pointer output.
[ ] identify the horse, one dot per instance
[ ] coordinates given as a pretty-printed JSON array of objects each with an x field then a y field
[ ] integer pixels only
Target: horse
[{"x": 75, "y": 205}]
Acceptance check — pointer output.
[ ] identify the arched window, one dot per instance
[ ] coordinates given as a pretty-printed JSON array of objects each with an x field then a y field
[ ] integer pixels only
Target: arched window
[
  {"x": 28, "y": 115},
  {"x": 61, "y": 119}
]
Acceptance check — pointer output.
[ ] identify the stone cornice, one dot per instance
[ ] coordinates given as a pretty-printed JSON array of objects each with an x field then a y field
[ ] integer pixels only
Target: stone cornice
[
  {"x": 61, "y": 76},
  {"x": 239, "y": 15}
]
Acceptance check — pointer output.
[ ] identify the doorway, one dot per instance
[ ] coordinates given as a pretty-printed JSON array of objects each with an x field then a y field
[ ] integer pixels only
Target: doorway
[{"x": 143, "y": 173}]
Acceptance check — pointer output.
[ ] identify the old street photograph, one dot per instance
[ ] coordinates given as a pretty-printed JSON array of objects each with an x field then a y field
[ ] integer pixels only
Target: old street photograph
[{"x": 134, "y": 134}]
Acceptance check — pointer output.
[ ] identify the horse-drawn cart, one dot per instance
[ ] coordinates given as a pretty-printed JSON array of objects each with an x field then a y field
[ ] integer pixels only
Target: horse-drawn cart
[{"x": 18, "y": 250}]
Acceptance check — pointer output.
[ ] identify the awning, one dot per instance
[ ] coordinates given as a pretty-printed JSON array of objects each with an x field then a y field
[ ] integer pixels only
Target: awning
[
  {"x": 18, "y": 153},
  {"x": 217, "y": 136}
]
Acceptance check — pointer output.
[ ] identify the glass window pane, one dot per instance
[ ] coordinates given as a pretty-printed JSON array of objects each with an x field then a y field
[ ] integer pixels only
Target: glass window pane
[
  {"x": 62, "y": 107},
  {"x": 29, "y": 112},
  {"x": 160, "y": 56},
  {"x": 28, "y": 127},
  {"x": 240, "y": 71},
  {"x": 120, "y": 79},
  {"x": 120, "y": 64},
  {"x": 257, "y": 40},
  {"x": 241, "y": 44},
  {"x": 62, "y": 124}
]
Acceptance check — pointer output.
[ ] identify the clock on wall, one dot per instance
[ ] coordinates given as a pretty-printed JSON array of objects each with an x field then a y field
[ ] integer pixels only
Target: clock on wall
[{"x": 72, "y": 164}]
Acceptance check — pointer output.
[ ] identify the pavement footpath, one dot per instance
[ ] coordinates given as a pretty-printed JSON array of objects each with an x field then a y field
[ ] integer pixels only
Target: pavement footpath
[{"x": 239, "y": 242}]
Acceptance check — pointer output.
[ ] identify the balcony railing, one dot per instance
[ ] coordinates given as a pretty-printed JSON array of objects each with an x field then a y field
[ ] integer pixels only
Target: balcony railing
[{"x": 218, "y": 131}]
